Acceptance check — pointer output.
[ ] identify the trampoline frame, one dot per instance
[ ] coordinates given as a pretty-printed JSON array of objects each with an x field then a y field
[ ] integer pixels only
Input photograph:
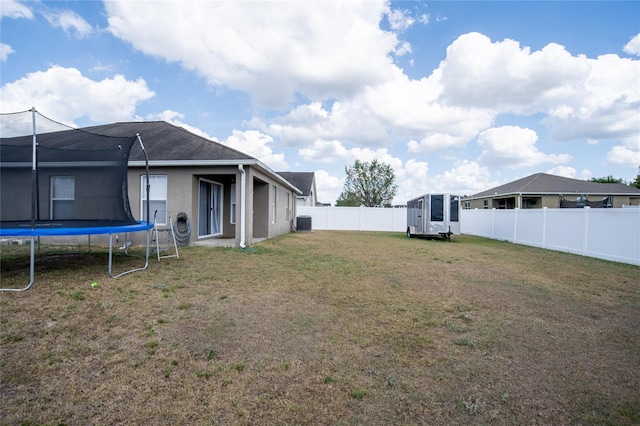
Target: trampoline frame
[{"x": 32, "y": 234}]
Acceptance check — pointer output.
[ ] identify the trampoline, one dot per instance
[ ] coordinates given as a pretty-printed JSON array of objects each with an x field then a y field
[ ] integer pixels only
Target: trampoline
[{"x": 58, "y": 181}]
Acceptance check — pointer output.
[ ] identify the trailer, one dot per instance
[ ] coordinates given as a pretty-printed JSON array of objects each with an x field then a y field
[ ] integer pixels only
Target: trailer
[{"x": 433, "y": 216}]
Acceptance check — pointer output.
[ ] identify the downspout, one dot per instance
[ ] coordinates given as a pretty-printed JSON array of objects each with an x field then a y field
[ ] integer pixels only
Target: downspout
[{"x": 243, "y": 207}]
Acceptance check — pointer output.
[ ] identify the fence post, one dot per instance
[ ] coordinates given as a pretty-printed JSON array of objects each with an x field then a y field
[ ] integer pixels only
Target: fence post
[
  {"x": 493, "y": 219},
  {"x": 585, "y": 230},
  {"x": 544, "y": 226}
]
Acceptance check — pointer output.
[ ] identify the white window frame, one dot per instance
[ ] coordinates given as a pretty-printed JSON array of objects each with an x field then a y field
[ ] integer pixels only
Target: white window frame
[
  {"x": 56, "y": 182},
  {"x": 158, "y": 193}
]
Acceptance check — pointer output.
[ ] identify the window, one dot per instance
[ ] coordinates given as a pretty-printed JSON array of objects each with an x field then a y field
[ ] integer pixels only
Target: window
[
  {"x": 530, "y": 203},
  {"x": 455, "y": 208},
  {"x": 608, "y": 202},
  {"x": 63, "y": 189},
  {"x": 273, "y": 204},
  {"x": 485, "y": 204},
  {"x": 467, "y": 205},
  {"x": 437, "y": 208},
  {"x": 157, "y": 198},
  {"x": 233, "y": 203}
]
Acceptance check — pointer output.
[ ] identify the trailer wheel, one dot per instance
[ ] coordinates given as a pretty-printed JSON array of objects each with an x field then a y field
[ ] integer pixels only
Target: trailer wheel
[{"x": 409, "y": 234}]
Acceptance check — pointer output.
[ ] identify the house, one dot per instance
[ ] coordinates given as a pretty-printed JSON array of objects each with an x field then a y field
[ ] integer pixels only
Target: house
[
  {"x": 544, "y": 190},
  {"x": 305, "y": 182},
  {"x": 225, "y": 193}
]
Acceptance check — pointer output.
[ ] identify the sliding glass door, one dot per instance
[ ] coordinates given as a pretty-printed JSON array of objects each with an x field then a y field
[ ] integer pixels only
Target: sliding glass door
[{"x": 210, "y": 208}]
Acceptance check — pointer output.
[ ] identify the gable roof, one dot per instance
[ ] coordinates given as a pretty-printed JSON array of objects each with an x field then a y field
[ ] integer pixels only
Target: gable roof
[
  {"x": 301, "y": 180},
  {"x": 542, "y": 183}
]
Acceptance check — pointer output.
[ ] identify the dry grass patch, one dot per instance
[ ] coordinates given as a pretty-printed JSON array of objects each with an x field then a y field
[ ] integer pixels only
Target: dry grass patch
[{"x": 324, "y": 328}]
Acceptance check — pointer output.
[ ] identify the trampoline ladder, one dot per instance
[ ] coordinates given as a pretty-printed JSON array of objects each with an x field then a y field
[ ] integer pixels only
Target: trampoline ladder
[{"x": 164, "y": 238}]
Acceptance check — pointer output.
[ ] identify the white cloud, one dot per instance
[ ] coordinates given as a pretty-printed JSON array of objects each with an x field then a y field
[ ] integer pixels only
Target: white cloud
[
  {"x": 270, "y": 50},
  {"x": 627, "y": 154},
  {"x": 633, "y": 47},
  {"x": 69, "y": 21},
  {"x": 466, "y": 178},
  {"x": 413, "y": 108},
  {"x": 329, "y": 187},
  {"x": 606, "y": 106},
  {"x": 411, "y": 180},
  {"x": 564, "y": 171},
  {"x": 400, "y": 19},
  {"x": 5, "y": 51},
  {"x": 404, "y": 48},
  {"x": 583, "y": 97},
  {"x": 506, "y": 77},
  {"x": 514, "y": 147},
  {"x": 66, "y": 95},
  {"x": 14, "y": 10},
  {"x": 346, "y": 121},
  {"x": 256, "y": 144},
  {"x": 334, "y": 152}
]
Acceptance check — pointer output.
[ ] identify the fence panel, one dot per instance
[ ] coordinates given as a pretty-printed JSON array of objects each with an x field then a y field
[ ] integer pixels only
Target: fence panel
[
  {"x": 565, "y": 230},
  {"x": 528, "y": 226},
  {"x": 356, "y": 218},
  {"x": 503, "y": 224},
  {"x": 611, "y": 234}
]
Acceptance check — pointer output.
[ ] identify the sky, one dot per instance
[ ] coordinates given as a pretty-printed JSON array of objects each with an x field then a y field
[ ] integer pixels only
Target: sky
[{"x": 456, "y": 96}]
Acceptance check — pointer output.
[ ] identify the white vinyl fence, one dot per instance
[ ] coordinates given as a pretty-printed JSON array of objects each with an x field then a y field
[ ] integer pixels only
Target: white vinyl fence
[
  {"x": 611, "y": 234},
  {"x": 356, "y": 218}
]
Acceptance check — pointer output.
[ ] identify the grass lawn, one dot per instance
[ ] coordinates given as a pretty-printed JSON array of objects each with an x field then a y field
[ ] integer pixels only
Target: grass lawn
[{"x": 323, "y": 328}]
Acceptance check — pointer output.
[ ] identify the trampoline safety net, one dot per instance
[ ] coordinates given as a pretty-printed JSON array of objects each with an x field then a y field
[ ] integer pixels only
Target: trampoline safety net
[{"x": 51, "y": 172}]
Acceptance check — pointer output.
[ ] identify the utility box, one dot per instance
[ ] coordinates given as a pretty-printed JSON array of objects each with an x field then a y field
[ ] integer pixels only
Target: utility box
[
  {"x": 433, "y": 216},
  {"x": 303, "y": 223}
]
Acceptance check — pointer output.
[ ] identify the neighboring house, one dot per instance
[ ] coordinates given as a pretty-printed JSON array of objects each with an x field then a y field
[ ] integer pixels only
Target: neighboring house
[
  {"x": 543, "y": 190},
  {"x": 225, "y": 193},
  {"x": 305, "y": 182}
]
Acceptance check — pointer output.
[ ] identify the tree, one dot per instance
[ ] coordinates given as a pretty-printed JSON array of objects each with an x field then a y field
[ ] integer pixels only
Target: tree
[
  {"x": 368, "y": 184},
  {"x": 608, "y": 179},
  {"x": 636, "y": 183}
]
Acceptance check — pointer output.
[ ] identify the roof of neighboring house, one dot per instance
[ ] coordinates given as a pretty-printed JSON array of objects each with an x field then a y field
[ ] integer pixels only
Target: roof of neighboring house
[
  {"x": 542, "y": 183},
  {"x": 164, "y": 141},
  {"x": 301, "y": 180}
]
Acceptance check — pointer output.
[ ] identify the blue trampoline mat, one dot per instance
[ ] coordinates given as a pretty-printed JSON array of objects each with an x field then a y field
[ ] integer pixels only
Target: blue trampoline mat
[{"x": 69, "y": 227}]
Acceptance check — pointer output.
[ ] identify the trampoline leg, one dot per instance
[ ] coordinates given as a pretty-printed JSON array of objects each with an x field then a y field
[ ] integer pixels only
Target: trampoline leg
[
  {"x": 32, "y": 273},
  {"x": 146, "y": 264}
]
